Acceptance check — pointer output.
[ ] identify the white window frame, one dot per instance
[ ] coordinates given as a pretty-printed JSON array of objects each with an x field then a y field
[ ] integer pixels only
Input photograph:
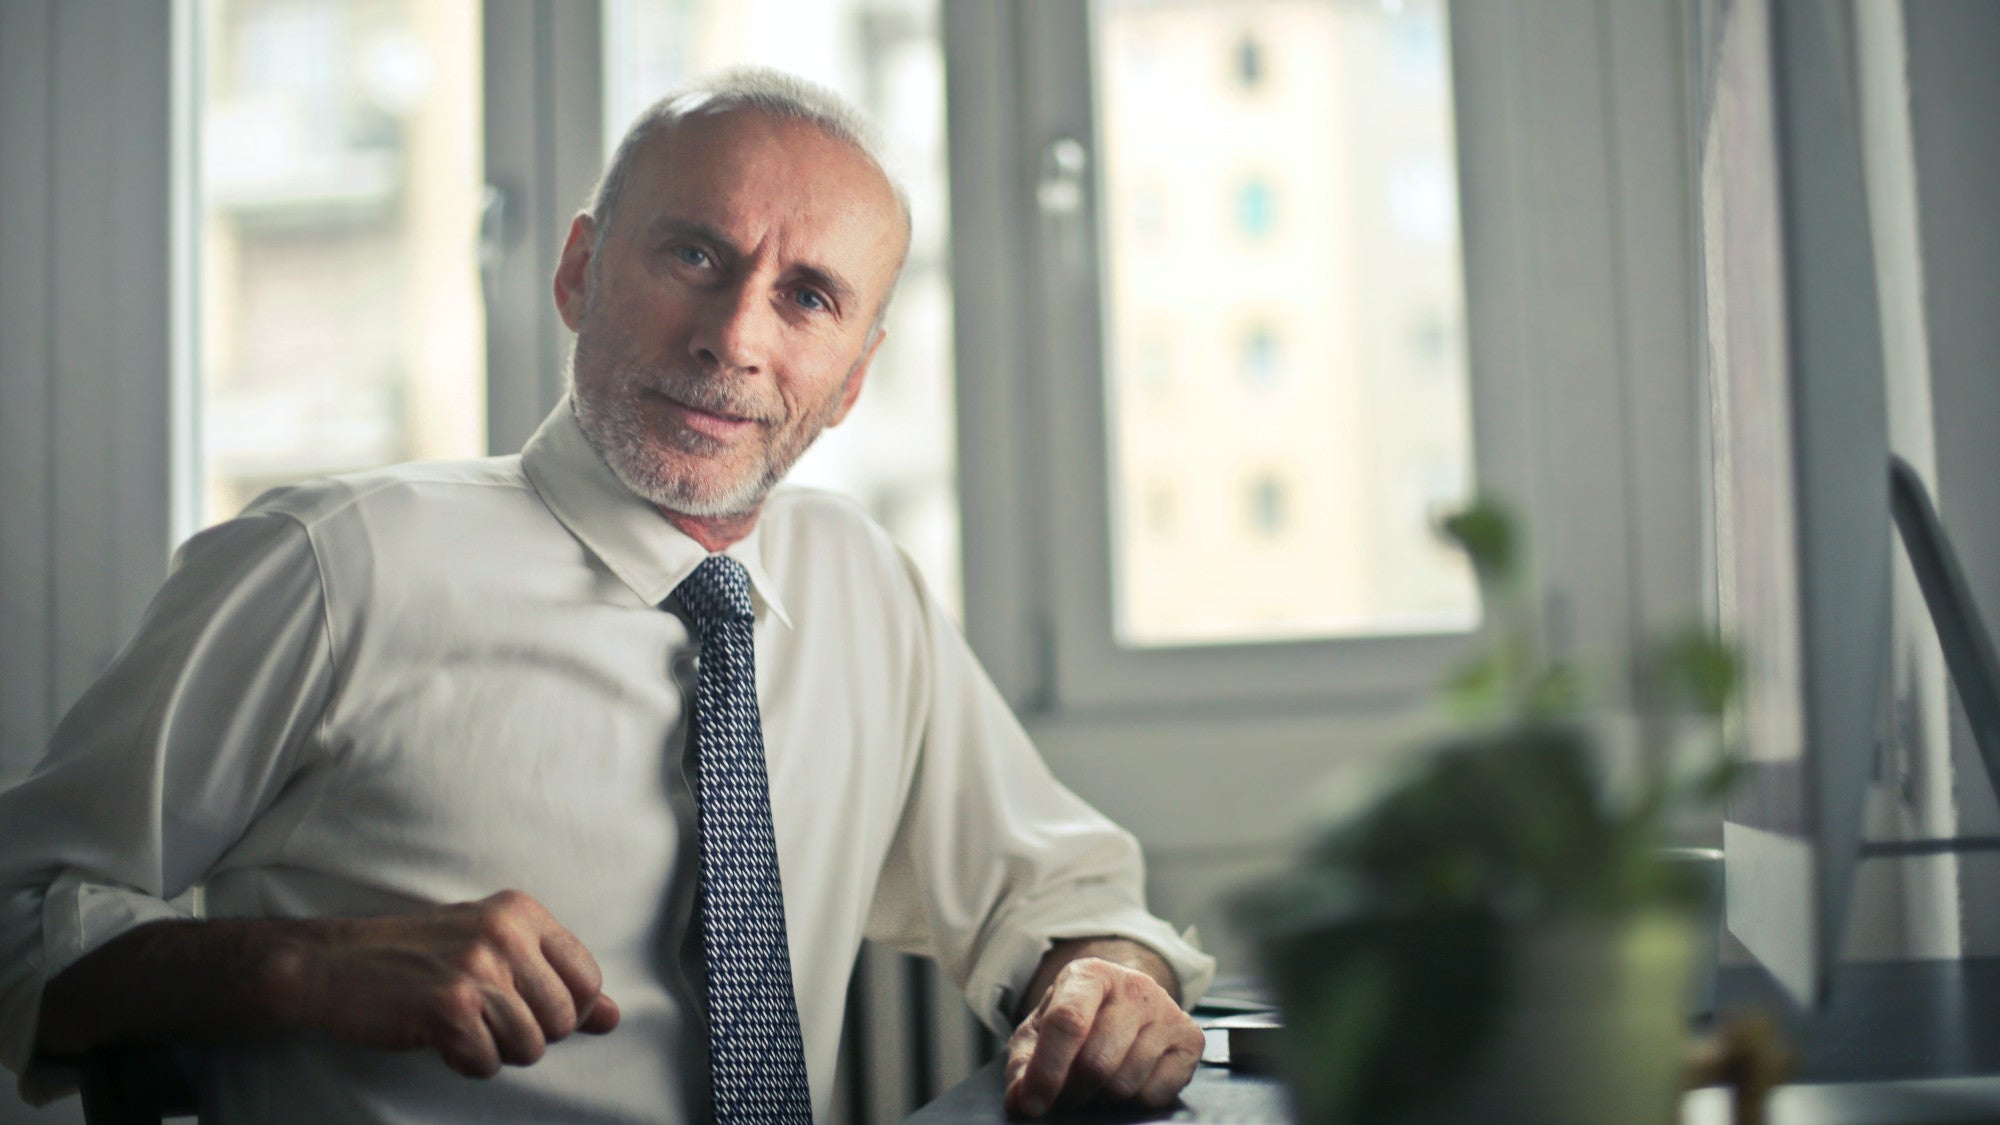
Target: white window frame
[
  {"x": 1572, "y": 161},
  {"x": 98, "y": 381},
  {"x": 544, "y": 134}
]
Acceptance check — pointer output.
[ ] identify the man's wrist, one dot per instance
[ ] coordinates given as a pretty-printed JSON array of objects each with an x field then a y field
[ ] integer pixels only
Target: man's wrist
[
  {"x": 286, "y": 969},
  {"x": 172, "y": 980},
  {"x": 1117, "y": 950}
]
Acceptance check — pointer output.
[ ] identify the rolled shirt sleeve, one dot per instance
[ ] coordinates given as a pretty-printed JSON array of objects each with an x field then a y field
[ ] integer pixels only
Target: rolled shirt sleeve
[
  {"x": 159, "y": 769},
  {"x": 995, "y": 860}
]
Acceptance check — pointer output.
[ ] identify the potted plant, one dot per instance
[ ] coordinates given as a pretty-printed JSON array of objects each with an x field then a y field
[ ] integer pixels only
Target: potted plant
[{"x": 1498, "y": 935}]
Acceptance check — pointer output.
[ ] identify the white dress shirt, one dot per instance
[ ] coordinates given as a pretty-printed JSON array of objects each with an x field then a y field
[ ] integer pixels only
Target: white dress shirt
[{"x": 423, "y": 685}]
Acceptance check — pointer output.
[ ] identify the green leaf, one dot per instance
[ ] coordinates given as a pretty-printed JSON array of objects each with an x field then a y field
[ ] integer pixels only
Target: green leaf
[
  {"x": 1702, "y": 668},
  {"x": 1554, "y": 693},
  {"x": 1485, "y": 532}
]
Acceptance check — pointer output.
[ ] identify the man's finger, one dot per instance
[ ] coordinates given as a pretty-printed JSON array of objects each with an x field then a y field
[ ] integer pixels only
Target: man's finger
[
  {"x": 1062, "y": 1024},
  {"x": 1020, "y": 1048},
  {"x": 601, "y": 1016},
  {"x": 516, "y": 1034},
  {"x": 1113, "y": 1035},
  {"x": 1170, "y": 1076},
  {"x": 462, "y": 1038},
  {"x": 1123, "y": 1081},
  {"x": 572, "y": 962},
  {"x": 547, "y": 997}
]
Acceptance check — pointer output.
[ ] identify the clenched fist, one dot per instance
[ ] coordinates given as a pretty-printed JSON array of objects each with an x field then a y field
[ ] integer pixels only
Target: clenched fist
[
  {"x": 1103, "y": 1034},
  {"x": 481, "y": 983}
]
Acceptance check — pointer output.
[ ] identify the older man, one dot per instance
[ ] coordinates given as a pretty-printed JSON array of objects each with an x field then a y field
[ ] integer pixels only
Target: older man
[{"x": 606, "y": 737}]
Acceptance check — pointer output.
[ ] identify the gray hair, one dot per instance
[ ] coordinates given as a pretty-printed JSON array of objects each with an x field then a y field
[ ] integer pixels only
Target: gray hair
[{"x": 771, "y": 92}]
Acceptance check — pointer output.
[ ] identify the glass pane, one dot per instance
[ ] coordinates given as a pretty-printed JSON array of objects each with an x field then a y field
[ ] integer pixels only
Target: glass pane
[
  {"x": 895, "y": 453},
  {"x": 1285, "y": 319},
  {"x": 341, "y": 321}
]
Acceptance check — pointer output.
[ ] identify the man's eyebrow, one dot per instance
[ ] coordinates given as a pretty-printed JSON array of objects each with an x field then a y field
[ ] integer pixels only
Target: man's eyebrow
[
  {"x": 822, "y": 277},
  {"x": 667, "y": 226}
]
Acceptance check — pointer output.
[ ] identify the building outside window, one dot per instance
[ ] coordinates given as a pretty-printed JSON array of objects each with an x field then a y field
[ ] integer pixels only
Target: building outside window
[
  {"x": 1345, "y": 233},
  {"x": 1268, "y": 506},
  {"x": 340, "y": 320}
]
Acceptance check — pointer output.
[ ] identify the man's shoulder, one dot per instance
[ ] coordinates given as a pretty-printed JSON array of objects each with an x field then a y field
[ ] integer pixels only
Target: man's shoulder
[
  {"x": 410, "y": 486},
  {"x": 822, "y": 532},
  {"x": 796, "y": 515},
  {"x": 820, "y": 510}
]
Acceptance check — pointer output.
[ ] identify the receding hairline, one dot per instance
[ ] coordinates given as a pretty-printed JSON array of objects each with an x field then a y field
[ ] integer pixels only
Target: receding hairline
[{"x": 770, "y": 93}]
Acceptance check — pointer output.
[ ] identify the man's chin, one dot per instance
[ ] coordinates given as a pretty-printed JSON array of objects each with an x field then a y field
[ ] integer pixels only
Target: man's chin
[
  {"x": 682, "y": 481},
  {"x": 674, "y": 488}
]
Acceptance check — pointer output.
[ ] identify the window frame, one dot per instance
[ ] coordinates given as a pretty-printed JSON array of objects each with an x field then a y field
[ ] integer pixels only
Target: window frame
[
  {"x": 1580, "y": 348},
  {"x": 543, "y": 137}
]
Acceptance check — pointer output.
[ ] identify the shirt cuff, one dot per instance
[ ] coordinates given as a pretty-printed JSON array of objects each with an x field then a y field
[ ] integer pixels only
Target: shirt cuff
[
  {"x": 78, "y": 916},
  {"x": 1004, "y": 973}
]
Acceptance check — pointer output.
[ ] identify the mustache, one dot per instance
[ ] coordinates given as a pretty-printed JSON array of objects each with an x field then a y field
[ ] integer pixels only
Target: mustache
[{"x": 703, "y": 392}]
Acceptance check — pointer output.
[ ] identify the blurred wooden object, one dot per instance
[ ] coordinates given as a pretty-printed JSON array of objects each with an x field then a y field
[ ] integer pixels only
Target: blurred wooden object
[{"x": 1746, "y": 1053}]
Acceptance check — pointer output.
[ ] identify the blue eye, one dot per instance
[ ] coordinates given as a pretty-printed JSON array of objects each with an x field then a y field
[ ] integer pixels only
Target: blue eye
[
  {"x": 812, "y": 300},
  {"x": 692, "y": 255}
]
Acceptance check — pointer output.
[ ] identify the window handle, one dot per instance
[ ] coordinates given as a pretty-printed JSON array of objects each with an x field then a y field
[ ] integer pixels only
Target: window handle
[{"x": 1060, "y": 193}]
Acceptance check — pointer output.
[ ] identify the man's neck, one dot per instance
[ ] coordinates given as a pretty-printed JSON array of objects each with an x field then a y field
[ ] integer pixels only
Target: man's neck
[{"x": 714, "y": 533}]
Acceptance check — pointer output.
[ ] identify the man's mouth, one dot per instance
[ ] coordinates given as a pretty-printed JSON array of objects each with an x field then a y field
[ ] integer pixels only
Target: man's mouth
[{"x": 710, "y": 423}]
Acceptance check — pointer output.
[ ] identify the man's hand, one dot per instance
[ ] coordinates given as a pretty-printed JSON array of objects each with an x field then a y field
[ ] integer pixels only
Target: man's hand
[
  {"x": 1102, "y": 1034},
  {"x": 481, "y": 983}
]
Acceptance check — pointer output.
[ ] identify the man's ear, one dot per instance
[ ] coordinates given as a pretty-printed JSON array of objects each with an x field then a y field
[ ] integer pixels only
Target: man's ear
[
  {"x": 573, "y": 273},
  {"x": 855, "y": 377}
]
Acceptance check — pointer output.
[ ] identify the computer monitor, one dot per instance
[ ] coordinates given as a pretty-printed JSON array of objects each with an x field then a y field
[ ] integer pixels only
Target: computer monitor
[{"x": 1800, "y": 487}]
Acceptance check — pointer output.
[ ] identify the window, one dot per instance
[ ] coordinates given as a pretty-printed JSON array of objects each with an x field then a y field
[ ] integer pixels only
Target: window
[
  {"x": 1423, "y": 241},
  {"x": 1345, "y": 231},
  {"x": 1260, "y": 359},
  {"x": 1160, "y": 507},
  {"x": 340, "y": 184},
  {"x": 1256, "y": 209},
  {"x": 1155, "y": 365},
  {"x": 1268, "y": 503},
  {"x": 1249, "y": 62}
]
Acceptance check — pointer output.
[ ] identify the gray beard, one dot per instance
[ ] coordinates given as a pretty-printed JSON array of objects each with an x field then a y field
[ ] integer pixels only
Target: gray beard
[
  {"x": 620, "y": 437},
  {"x": 623, "y": 442}
]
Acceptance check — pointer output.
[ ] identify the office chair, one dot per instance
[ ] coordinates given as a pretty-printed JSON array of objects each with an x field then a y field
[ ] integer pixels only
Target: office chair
[{"x": 138, "y": 1084}]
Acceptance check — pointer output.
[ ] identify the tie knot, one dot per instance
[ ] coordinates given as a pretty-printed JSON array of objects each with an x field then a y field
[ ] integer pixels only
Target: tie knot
[{"x": 717, "y": 591}]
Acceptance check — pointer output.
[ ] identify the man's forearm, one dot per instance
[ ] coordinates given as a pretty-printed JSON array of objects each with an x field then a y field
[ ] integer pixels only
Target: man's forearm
[
  {"x": 482, "y": 983},
  {"x": 1119, "y": 951},
  {"x": 177, "y": 981}
]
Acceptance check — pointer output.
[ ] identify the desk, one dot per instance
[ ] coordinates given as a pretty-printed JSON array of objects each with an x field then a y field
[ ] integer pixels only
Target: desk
[
  {"x": 1900, "y": 1043},
  {"x": 1216, "y": 1094}
]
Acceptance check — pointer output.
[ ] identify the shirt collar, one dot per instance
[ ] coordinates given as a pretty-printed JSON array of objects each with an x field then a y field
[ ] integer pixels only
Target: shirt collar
[{"x": 621, "y": 528}]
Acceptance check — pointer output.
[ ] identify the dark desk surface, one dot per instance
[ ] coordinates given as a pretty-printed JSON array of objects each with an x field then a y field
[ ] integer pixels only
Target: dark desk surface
[
  {"x": 1216, "y": 1094},
  {"x": 1893, "y": 1031}
]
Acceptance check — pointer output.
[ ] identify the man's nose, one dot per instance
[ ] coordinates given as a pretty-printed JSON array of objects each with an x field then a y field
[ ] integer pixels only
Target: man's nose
[{"x": 733, "y": 330}]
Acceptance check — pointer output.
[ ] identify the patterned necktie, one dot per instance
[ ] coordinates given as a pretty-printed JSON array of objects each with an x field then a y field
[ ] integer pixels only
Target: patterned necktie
[{"x": 755, "y": 1053}]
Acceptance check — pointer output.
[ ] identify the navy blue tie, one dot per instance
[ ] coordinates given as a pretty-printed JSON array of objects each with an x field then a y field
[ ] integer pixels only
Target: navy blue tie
[{"x": 755, "y": 1053}]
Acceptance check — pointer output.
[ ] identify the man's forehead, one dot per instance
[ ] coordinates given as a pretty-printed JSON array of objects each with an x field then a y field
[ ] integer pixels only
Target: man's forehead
[{"x": 716, "y": 157}]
